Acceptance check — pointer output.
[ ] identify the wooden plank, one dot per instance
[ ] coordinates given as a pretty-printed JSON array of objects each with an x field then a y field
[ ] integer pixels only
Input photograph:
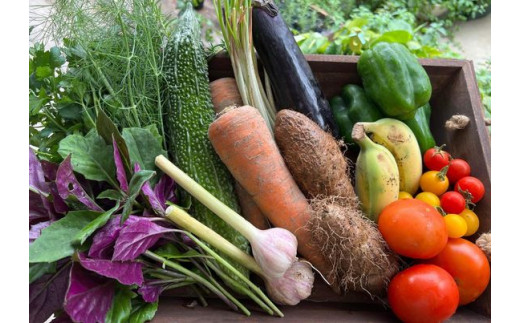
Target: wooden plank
[{"x": 176, "y": 310}]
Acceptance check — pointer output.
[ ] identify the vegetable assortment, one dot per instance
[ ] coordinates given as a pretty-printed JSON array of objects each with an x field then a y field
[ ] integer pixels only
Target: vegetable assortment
[{"x": 237, "y": 188}]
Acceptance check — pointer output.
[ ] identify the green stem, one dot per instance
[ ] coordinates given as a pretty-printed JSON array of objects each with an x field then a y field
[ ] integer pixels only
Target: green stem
[
  {"x": 211, "y": 202},
  {"x": 199, "y": 279},
  {"x": 188, "y": 223},
  {"x": 235, "y": 272},
  {"x": 199, "y": 295},
  {"x": 240, "y": 287}
]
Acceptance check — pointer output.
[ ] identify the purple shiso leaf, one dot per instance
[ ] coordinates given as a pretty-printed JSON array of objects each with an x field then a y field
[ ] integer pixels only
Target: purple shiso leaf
[
  {"x": 126, "y": 272},
  {"x": 36, "y": 176},
  {"x": 65, "y": 178},
  {"x": 36, "y": 230},
  {"x": 46, "y": 295},
  {"x": 49, "y": 169},
  {"x": 120, "y": 168},
  {"x": 161, "y": 193},
  {"x": 165, "y": 190},
  {"x": 103, "y": 241},
  {"x": 89, "y": 296},
  {"x": 136, "y": 238},
  {"x": 150, "y": 293},
  {"x": 39, "y": 208},
  {"x": 150, "y": 194}
]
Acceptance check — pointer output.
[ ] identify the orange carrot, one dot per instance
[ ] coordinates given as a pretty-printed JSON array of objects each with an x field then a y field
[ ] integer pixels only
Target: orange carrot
[
  {"x": 244, "y": 143},
  {"x": 250, "y": 210},
  {"x": 225, "y": 94}
]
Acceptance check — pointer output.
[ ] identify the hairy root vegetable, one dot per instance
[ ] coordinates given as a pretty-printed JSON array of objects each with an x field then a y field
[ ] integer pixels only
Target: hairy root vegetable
[
  {"x": 312, "y": 155},
  {"x": 360, "y": 257}
]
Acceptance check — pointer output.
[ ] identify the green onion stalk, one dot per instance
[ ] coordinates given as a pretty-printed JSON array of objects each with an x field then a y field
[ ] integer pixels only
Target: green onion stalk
[{"x": 235, "y": 19}]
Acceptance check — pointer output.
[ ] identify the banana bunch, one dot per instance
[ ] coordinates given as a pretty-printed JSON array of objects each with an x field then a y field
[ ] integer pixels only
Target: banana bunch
[{"x": 400, "y": 147}]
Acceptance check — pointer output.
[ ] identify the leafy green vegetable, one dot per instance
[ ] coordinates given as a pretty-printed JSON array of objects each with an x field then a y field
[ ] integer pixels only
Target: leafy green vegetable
[
  {"x": 121, "y": 306},
  {"x": 143, "y": 147},
  {"x": 136, "y": 183},
  {"x": 143, "y": 312},
  {"x": 56, "y": 241},
  {"x": 91, "y": 156},
  {"x": 90, "y": 228}
]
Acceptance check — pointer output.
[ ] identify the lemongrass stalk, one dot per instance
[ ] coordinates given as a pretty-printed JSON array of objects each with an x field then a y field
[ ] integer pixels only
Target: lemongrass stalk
[{"x": 202, "y": 195}]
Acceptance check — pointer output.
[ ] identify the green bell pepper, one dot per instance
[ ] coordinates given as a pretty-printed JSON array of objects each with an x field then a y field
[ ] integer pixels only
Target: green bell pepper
[
  {"x": 393, "y": 78},
  {"x": 420, "y": 125},
  {"x": 360, "y": 108},
  {"x": 340, "y": 114},
  {"x": 353, "y": 106}
]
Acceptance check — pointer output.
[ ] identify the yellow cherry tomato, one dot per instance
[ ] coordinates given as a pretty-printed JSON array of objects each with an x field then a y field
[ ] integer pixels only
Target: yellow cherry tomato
[
  {"x": 435, "y": 182},
  {"x": 429, "y": 198},
  {"x": 405, "y": 195},
  {"x": 471, "y": 220},
  {"x": 456, "y": 225}
]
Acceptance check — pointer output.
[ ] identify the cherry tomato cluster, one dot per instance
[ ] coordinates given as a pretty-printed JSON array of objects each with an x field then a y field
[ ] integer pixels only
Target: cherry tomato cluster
[
  {"x": 443, "y": 172},
  {"x": 447, "y": 271}
]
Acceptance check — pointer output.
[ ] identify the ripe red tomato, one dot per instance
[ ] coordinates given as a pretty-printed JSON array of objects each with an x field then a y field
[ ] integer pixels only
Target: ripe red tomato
[
  {"x": 468, "y": 265},
  {"x": 453, "y": 202},
  {"x": 413, "y": 228},
  {"x": 423, "y": 293},
  {"x": 472, "y": 185},
  {"x": 435, "y": 158},
  {"x": 458, "y": 168}
]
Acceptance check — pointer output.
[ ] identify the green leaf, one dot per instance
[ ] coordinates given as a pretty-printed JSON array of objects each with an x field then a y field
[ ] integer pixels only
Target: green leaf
[
  {"x": 43, "y": 72},
  {"x": 143, "y": 147},
  {"x": 121, "y": 306},
  {"x": 169, "y": 251},
  {"x": 91, "y": 156},
  {"x": 39, "y": 269},
  {"x": 56, "y": 240},
  {"x": 357, "y": 23},
  {"x": 134, "y": 187},
  {"x": 113, "y": 195},
  {"x": 100, "y": 221},
  {"x": 155, "y": 132},
  {"x": 143, "y": 312},
  {"x": 56, "y": 59},
  {"x": 70, "y": 111},
  {"x": 395, "y": 36}
]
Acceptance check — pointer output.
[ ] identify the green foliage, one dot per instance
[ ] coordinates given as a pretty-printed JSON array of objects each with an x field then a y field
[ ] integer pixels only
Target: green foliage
[
  {"x": 59, "y": 104},
  {"x": 483, "y": 74}
]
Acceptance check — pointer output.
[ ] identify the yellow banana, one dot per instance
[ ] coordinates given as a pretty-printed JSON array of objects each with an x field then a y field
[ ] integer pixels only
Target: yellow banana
[
  {"x": 377, "y": 175},
  {"x": 397, "y": 137}
]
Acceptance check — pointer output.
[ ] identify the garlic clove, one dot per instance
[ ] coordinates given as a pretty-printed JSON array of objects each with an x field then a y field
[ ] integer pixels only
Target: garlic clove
[
  {"x": 274, "y": 250},
  {"x": 294, "y": 286}
]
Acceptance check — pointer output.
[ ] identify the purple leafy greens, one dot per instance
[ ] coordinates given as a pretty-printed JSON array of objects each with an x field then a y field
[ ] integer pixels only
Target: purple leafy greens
[
  {"x": 105, "y": 238},
  {"x": 89, "y": 296},
  {"x": 120, "y": 168},
  {"x": 37, "y": 181},
  {"x": 46, "y": 295},
  {"x": 136, "y": 238},
  {"x": 68, "y": 185},
  {"x": 126, "y": 272},
  {"x": 150, "y": 292}
]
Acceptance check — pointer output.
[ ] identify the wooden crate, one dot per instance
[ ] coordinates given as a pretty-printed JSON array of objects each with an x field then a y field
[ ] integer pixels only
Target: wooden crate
[{"x": 455, "y": 91}]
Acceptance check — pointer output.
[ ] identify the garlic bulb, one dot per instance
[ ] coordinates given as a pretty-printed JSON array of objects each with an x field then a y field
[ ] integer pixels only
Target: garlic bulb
[
  {"x": 274, "y": 250},
  {"x": 295, "y": 285}
]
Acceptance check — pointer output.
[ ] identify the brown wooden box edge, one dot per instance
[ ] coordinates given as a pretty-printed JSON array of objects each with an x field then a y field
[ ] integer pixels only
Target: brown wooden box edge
[{"x": 455, "y": 91}]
